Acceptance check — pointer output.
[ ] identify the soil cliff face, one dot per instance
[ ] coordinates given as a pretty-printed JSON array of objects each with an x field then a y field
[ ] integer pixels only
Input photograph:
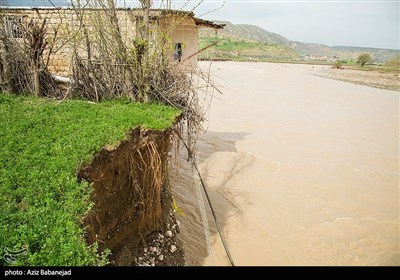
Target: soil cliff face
[{"x": 132, "y": 213}]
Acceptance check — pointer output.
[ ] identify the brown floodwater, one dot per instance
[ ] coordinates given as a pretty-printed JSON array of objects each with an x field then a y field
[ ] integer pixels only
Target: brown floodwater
[{"x": 301, "y": 170}]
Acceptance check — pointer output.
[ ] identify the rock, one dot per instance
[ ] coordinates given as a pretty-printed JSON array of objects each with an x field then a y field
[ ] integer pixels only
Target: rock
[
  {"x": 173, "y": 248},
  {"x": 145, "y": 250},
  {"x": 152, "y": 249},
  {"x": 168, "y": 233},
  {"x": 160, "y": 257},
  {"x": 178, "y": 223}
]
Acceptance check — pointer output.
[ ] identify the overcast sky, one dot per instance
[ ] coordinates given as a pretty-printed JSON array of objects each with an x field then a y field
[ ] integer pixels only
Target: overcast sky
[{"x": 333, "y": 22}]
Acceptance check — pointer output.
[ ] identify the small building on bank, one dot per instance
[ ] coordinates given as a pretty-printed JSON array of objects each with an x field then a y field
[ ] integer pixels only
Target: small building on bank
[{"x": 181, "y": 28}]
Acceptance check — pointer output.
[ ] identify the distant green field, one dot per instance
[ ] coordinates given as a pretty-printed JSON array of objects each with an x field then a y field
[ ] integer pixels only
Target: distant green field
[
  {"x": 42, "y": 145},
  {"x": 243, "y": 50},
  {"x": 228, "y": 44}
]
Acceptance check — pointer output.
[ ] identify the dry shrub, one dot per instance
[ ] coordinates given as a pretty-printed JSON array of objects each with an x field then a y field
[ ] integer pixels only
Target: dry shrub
[
  {"x": 23, "y": 65},
  {"x": 337, "y": 64},
  {"x": 14, "y": 64}
]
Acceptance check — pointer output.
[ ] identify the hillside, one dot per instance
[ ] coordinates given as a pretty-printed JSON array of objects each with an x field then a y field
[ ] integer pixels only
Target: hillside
[
  {"x": 283, "y": 47},
  {"x": 252, "y": 32},
  {"x": 235, "y": 48},
  {"x": 244, "y": 42}
]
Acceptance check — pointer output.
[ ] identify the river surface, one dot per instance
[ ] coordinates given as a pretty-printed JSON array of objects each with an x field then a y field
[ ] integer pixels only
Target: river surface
[{"x": 301, "y": 170}]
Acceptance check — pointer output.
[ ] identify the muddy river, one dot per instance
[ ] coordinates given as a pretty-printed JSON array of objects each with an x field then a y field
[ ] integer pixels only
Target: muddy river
[{"x": 301, "y": 170}]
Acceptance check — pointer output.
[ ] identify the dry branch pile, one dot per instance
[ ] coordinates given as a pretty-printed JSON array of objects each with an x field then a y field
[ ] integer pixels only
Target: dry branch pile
[{"x": 23, "y": 65}]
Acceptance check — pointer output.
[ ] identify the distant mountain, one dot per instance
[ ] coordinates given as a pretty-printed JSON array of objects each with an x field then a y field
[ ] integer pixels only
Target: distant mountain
[
  {"x": 246, "y": 32},
  {"x": 244, "y": 42},
  {"x": 253, "y": 32}
]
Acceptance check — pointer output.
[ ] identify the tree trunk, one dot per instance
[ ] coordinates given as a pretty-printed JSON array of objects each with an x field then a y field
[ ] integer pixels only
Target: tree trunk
[
  {"x": 146, "y": 23},
  {"x": 36, "y": 81}
]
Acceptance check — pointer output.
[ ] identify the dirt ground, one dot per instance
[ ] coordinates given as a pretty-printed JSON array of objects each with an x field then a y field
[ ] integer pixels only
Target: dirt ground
[
  {"x": 374, "y": 78},
  {"x": 132, "y": 214}
]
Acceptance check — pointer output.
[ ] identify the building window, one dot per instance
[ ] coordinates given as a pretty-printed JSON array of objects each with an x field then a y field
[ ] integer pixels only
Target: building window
[
  {"x": 13, "y": 25},
  {"x": 178, "y": 51}
]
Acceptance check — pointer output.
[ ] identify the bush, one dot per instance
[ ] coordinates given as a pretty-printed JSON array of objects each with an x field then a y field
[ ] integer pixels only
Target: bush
[
  {"x": 393, "y": 63},
  {"x": 337, "y": 64}
]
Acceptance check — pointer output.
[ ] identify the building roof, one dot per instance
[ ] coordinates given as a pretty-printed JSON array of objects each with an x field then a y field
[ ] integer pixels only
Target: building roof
[
  {"x": 207, "y": 23},
  {"x": 153, "y": 13}
]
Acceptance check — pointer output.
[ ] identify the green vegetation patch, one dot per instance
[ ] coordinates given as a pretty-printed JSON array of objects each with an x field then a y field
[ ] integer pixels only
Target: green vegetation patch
[
  {"x": 229, "y": 44},
  {"x": 238, "y": 49},
  {"x": 42, "y": 145}
]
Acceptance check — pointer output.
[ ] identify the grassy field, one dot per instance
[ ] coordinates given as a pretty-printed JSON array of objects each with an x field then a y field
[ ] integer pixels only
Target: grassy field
[
  {"x": 42, "y": 145},
  {"x": 237, "y": 49},
  {"x": 388, "y": 67}
]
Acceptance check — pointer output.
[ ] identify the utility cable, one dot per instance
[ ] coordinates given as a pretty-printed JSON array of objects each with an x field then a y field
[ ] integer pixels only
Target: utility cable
[{"x": 221, "y": 235}]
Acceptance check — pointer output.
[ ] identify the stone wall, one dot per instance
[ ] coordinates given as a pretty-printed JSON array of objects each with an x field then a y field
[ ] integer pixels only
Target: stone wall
[
  {"x": 59, "y": 21},
  {"x": 64, "y": 22}
]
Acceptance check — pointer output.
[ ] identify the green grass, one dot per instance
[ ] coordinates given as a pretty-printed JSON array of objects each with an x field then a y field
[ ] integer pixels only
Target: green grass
[
  {"x": 42, "y": 145},
  {"x": 227, "y": 44},
  {"x": 236, "y": 49}
]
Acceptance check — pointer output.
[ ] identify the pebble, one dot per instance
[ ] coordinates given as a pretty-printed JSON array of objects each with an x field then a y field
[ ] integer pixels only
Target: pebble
[
  {"x": 161, "y": 257},
  {"x": 168, "y": 233},
  {"x": 153, "y": 249},
  {"x": 173, "y": 248}
]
